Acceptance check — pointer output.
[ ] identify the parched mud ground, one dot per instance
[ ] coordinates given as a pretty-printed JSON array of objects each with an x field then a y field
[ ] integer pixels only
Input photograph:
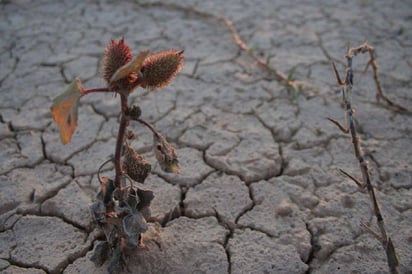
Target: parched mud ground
[{"x": 260, "y": 190}]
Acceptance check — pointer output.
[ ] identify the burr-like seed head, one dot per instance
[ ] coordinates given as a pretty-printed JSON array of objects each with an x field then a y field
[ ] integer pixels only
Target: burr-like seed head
[{"x": 160, "y": 68}]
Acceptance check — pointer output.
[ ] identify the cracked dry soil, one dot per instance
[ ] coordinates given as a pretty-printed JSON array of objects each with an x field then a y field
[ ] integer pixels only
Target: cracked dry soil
[{"x": 260, "y": 190}]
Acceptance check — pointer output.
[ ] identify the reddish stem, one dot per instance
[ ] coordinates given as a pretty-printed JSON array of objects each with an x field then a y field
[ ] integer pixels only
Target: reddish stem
[
  {"x": 120, "y": 136},
  {"x": 92, "y": 90}
]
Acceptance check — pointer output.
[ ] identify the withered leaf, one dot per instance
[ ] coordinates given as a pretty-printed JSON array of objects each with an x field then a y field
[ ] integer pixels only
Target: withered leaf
[
  {"x": 391, "y": 255},
  {"x": 115, "y": 264},
  {"x": 165, "y": 154},
  {"x": 133, "y": 66},
  {"x": 135, "y": 166},
  {"x": 113, "y": 221},
  {"x": 106, "y": 189},
  {"x": 98, "y": 211},
  {"x": 145, "y": 198},
  {"x": 133, "y": 225},
  {"x": 64, "y": 110},
  {"x": 101, "y": 253}
]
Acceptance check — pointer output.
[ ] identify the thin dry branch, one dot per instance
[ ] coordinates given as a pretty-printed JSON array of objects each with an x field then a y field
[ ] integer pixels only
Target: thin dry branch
[
  {"x": 347, "y": 87},
  {"x": 278, "y": 75},
  {"x": 366, "y": 48},
  {"x": 356, "y": 181}
]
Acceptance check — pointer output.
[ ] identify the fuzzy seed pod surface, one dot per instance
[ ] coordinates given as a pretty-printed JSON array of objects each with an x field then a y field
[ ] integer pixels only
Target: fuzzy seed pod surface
[
  {"x": 135, "y": 165},
  {"x": 116, "y": 55},
  {"x": 160, "y": 68}
]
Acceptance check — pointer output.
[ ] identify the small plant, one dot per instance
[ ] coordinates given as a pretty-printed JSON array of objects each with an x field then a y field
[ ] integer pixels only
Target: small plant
[
  {"x": 121, "y": 208},
  {"x": 347, "y": 87},
  {"x": 289, "y": 84}
]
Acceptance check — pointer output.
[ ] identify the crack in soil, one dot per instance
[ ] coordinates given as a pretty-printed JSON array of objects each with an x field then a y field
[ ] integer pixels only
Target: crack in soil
[
  {"x": 229, "y": 235},
  {"x": 27, "y": 266},
  {"x": 249, "y": 208},
  {"x": 81, "y": 253},
  {"x": 178, "y": 211},
  {"x": 314, "y": 247}
]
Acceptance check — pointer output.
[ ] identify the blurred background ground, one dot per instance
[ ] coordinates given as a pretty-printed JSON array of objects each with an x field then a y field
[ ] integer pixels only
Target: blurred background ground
[{"x": 260, "y": 190}]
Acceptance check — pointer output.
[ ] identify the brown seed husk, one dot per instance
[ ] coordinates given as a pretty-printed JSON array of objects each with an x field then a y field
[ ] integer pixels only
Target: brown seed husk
[
  {"x": 135, "y": 166},
  {"x": 116, "y": 55},
  {"x": 160, "y": 68}
]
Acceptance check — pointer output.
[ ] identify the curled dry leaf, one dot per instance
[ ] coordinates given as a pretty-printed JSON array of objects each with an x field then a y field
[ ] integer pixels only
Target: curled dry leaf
[
  {"x": 106, "y": 189},
  {"x": 64, "y": 110},
  {"x": 101, "y": 253},
  {"x": 165, "y": 154},
  {"x": 145, "y": 198},
  {"x": 134, "y": 224},
  {"x": 135, "y": 165},
  {"x": 133, "y": 66}
]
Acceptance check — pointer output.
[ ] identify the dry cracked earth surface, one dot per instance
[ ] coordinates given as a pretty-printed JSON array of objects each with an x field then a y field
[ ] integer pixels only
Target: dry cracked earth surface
[{"x": 260, "y": 190}]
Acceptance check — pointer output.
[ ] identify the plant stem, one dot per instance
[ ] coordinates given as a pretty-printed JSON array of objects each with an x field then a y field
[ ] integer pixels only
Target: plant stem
[
  {"x": 119, "y": 144},
  {"x": 347, "y": 89},
  {"x": 150, "y": 126},
  {"x": 92, "y": 90},
  {"x": 366, "y": 48}
]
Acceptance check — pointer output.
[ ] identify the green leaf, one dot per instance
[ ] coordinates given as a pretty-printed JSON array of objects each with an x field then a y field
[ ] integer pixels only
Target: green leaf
[
  {"x": 133, "y": 66},
  {"x": 64, "y": 110},
  {"x": 292, "y": 72}
]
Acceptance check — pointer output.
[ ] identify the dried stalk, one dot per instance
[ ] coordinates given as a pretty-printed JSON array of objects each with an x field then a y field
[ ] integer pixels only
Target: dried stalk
[
  {"x": 119, "y": 144},
  {"x": 366, "y": 48},
  {"x": 347, "y": 88},
  {"x": 278, "y": 75}
]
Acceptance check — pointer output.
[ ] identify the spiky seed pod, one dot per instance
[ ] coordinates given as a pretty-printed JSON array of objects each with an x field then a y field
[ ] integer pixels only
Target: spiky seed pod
[
  {"x": 165, "y": 154},
  {"x": 116, "y": 55},
  {"x": 135, "y": 165},
  {"x": 160, "y": 68}
]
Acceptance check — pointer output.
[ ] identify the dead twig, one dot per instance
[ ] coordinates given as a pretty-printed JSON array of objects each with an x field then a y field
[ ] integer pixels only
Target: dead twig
[
  {"x": 366, "y": 48},
  {"x": 347, "y": 87}
]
